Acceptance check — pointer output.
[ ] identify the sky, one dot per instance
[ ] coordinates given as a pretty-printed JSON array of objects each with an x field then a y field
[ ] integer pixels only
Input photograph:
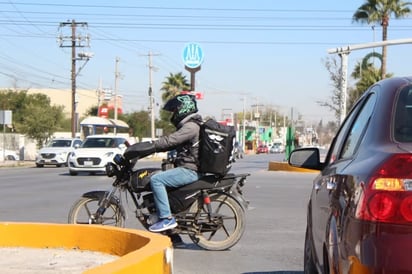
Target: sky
[{"x": 257, "y": 54}]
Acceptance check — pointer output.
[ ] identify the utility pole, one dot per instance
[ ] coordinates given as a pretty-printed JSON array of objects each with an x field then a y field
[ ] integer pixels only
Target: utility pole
[
  {"x": 75, "y": 41},
  {"x": 116, "y": 77},
  {"x": 244, "y": 124},
  {"x": 99, "y": 95},
  {"x": 151, "y": 97}
]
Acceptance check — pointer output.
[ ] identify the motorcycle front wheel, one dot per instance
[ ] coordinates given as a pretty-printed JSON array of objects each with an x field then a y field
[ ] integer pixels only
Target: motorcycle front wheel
[
  {"x": 84, "y": 211},
  {"x": 225, "y": 227}
]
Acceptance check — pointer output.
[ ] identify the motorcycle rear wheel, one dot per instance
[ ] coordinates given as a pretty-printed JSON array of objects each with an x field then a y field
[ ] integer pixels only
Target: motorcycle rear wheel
[
  {"x": 84, "y": 211},
  {"x": 226, "y": 226}
]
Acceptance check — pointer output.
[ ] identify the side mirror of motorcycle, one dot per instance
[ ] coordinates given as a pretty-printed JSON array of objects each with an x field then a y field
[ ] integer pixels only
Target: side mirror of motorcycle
[{"x": 120, "y": 160}]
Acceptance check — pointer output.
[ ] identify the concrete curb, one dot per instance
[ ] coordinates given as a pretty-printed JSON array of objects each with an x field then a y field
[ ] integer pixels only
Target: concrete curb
[
  {"x": 139, "y": 251},
  {"x": 284, "y": 166}
]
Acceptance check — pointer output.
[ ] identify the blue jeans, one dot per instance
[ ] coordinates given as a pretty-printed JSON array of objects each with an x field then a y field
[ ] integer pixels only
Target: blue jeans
[{"x": 174, "y": 177}]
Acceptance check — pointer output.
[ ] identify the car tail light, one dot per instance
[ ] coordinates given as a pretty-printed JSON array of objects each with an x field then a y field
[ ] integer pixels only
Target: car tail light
[{"x": 388, "y": 196}]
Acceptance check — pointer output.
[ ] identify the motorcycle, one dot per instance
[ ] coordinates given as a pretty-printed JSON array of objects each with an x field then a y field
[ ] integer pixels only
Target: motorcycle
[{"x": 211, "y": 211}]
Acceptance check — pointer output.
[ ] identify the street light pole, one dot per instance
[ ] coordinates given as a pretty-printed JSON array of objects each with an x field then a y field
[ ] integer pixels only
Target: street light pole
[
  {"x": 343, "y": 52},
  {"x": 151, "y": 97},
  {"x": 257, "y": 116}
]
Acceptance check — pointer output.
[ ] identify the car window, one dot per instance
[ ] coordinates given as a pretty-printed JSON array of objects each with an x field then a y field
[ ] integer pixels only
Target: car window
[
  {"x": 359, "y": 127},
  {"x": 403, "y": 116},
  {"x": 120, "y": 141},
  {"x": 77, "y": 142},
  {"x": 59, "y": 143},
  {"x": 94, "y": 142},
  {"x": 102, "y": 142},
  {"x": 333, "y": 154},
  {"x": 334, "y": 149}
]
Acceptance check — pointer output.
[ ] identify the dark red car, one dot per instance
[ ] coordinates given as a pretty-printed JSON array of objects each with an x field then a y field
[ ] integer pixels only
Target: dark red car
[{"x": 359, "y": 215}]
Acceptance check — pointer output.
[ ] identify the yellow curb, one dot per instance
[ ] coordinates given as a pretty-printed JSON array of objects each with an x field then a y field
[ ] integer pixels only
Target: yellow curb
[
  {"x": 284, "y": 166},
  {"x": 139, "y": 251}
]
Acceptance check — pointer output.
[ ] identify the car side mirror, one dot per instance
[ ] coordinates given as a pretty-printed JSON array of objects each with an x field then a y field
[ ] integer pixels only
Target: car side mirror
[
  {"x": 305, "y": 158},
  {"x": 76, "y": 146}
]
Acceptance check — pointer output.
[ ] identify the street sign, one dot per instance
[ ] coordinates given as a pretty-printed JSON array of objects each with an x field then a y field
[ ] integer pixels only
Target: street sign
[
  {"x": 192, "y": 55},
  {"x": 198, "y": 95},
  {"x": 5, "y": 117}
]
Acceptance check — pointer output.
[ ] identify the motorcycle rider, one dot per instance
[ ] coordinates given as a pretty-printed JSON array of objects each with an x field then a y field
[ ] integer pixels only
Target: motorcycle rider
[{"x": 185, "y": 141}]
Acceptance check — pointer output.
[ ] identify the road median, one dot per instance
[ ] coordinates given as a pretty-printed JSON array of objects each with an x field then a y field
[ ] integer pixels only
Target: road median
[{"x": 284, "y": 166}]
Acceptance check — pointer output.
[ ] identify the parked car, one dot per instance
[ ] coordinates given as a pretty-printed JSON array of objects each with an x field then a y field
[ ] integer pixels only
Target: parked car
[
  {"x": 262, "y": 149},
  {"x": 9, "y": 155},
  {"x": 95, "y": 152},
  {"x": 56, "y": 152},
  {"x": 359, "y": 214}
]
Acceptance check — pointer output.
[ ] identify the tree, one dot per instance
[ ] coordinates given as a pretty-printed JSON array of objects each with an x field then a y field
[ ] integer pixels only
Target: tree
[
  {"x": 367, "y": 75},
  {"x": 335, "y": 74},
  {"x": 139, "y": 123},
  {"x": 380, "y": 11},
  {"x": 32, "y": 114},
  {"x": 92, "y": 111},
  {"x": 174, "y": 85}
]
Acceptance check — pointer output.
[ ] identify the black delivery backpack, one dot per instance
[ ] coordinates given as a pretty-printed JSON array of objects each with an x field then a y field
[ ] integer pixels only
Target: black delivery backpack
[{"x": 216, "y": 143}]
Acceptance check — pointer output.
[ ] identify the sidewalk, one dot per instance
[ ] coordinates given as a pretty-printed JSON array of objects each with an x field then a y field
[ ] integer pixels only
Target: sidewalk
[{"x": 8, "y": 163}]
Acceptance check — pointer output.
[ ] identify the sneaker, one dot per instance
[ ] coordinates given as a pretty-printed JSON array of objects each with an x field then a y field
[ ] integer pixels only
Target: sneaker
[{"x": 163, "y": 224}]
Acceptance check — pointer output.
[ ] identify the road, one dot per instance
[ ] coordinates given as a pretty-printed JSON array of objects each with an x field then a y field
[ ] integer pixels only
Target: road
[{"x": 275, "y": 225}]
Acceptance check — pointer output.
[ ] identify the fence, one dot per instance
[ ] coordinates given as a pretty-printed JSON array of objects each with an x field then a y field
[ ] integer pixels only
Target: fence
[{"x": 23, "y": 146}]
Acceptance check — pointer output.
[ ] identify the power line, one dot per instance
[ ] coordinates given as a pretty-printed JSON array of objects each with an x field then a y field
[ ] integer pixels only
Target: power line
[{"x": 173, "y": 8}]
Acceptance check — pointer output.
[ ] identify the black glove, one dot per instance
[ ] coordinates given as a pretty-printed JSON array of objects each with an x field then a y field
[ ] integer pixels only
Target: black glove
[{"x": 140, "y": 150}]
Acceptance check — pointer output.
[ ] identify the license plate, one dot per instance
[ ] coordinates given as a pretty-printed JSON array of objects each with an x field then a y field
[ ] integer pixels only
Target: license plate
[{"x": 88, "y": 163}]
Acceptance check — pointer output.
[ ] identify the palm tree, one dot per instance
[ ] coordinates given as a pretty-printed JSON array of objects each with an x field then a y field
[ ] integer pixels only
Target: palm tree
[
  {"x": 369, "y": 76},
  {"x": 366, "y": 74},
  {"x": 365, "y": 64},
  {"x": 380, "y": 11},
  {"x": 174, "y": 84}
]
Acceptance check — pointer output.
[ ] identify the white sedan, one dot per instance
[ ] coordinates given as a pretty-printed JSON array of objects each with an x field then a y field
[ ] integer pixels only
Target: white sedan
[{"x": 95, "y": 152}]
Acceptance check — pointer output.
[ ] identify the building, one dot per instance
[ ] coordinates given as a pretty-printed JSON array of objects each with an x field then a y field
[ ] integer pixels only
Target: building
[{"x": 85, "y": 99}]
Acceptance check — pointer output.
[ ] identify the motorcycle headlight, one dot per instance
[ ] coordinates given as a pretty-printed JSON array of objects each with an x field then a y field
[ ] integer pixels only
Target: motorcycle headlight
[{"x": 119, "y": 160}]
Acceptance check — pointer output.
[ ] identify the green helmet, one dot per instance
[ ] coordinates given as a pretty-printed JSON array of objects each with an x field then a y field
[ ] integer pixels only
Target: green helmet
[{"x": 181, "y": 106}]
